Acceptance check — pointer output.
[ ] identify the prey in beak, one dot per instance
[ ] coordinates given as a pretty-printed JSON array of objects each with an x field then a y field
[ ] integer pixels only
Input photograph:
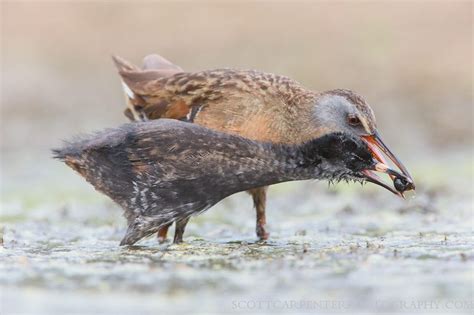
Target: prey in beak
[{"x": 402, "y": 181}]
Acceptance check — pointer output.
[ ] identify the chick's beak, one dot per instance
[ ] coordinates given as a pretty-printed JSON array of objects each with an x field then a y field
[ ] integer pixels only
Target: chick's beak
[{"x": 377, "y": 146}]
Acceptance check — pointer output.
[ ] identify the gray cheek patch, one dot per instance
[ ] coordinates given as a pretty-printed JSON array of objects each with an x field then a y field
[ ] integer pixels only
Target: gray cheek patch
[{"x": 331, "y": 111}]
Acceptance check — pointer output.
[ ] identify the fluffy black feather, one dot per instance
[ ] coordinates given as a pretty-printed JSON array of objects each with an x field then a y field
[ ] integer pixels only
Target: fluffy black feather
[{"x": 165, "y": 170}]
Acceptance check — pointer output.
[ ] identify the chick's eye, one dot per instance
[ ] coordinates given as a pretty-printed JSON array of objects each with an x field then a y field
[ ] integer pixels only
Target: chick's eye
[{"x": 353, "y": 120}]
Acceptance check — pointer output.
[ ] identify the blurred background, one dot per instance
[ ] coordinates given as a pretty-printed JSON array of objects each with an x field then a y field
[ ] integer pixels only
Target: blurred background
[{"x": 411, "y": 60}]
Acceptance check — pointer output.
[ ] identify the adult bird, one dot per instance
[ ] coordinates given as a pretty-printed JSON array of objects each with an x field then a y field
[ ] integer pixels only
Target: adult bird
[{"x": 256, "y": 105}]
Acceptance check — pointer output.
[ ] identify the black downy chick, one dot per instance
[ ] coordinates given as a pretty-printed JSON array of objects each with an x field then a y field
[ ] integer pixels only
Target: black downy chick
[{"x": 166, "y": 170}]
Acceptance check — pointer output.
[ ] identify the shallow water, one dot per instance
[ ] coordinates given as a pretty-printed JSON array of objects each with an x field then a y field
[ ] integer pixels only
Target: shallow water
[{"x": 339, "y": 249}]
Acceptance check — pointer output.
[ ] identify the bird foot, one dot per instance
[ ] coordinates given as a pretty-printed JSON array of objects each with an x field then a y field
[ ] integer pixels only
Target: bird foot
[
  {"x": 162, "y": 240},
  {"x": 178, "y": 240},
  {"x": 261, "y": 233}
]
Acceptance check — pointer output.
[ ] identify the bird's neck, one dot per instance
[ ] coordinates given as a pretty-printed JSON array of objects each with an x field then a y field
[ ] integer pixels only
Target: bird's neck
[
  {"x": 294, "y": 162},
  {"x": 277, "y": 163}
]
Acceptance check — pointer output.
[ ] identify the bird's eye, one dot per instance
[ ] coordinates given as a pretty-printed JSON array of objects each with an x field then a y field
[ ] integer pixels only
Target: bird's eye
[{"x": 353, "y": 120}]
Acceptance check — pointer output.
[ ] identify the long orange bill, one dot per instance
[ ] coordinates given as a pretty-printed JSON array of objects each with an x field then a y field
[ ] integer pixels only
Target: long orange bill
[{"x": 377, "y": 146}]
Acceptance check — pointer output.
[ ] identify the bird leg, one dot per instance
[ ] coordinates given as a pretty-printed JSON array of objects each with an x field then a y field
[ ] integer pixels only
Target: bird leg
[
  {"x": 162, "y": 233},
  {"x": 259, "y": 196},
  {"x": 179, "y": 230}
]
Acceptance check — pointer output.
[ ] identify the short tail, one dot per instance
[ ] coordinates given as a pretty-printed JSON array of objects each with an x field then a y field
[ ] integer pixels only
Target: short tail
[
  {"x": 72, "y": 156},
  {"x": 102, "y": 160},
  {"x": 135, "y": 79},
  {"x": 124, "y": 65},
  {"x": 150, "y": 62}
]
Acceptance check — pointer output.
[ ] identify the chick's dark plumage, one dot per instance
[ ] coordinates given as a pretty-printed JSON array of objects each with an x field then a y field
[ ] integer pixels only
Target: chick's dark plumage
[{"x": 165, "y": 171}]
